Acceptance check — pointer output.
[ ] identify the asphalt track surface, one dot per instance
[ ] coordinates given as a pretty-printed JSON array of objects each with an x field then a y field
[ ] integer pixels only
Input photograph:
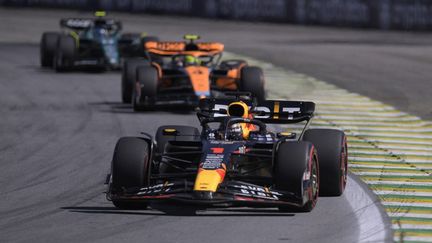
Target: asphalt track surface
[{"x": 58, "y": 131}]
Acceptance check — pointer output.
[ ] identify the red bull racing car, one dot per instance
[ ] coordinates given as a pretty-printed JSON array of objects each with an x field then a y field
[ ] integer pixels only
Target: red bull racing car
[
  {"x": 181, "y": 73},
  {"x": 235, "y": 160}
]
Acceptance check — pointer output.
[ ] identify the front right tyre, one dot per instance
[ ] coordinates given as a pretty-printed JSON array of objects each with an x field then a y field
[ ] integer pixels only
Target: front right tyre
[
  {"x": 129, "y": 78},
  {"x": 130, "y": 168},
  {"x": 252, "y": 80},
  {"x": 65, "y": 53},
  {"x": 332, "y": 151},
  {"x": 145, "y": 88}
]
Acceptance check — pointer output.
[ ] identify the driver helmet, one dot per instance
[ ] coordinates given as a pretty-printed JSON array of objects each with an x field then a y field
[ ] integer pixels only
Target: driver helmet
[
  {"x": 235, "y": 132},
  {"x": 239, "y": 109},
  {"x": 239, "y": 131},
  {"x": 191, "y": 60}
]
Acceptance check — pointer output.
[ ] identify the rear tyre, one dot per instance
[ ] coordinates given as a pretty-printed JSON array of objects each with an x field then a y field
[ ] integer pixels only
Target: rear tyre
[
  {"x": 252, "y": 80},
  {"x": 146, "y": 88},
  {"x": 129, "y": 77},
  {"x": 296, "y": 171},
  {"x": 65, "y": 53},
  {"x": 130, "y": 168},
  {"x": 48, "y": 47},
  {"x": 332, "y": 151}
]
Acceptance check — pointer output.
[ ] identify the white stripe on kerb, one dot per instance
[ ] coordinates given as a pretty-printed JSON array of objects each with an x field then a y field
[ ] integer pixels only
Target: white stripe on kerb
[
  {"x": 389, "y": 129},
  {"x": 414, "y": 183},
  {"x": 390, "y": 147},
  {"x": 392, "y": 135},
  {"x": 389, "y": 152},
  {"x": 384, "y": 167},
  {"x": 422, "y": 142},
  {"x": 353, "y": 158},
  {"x": 409, "y": 193},
  {"x": 356, "y": 122},
  {"x": 404, "y": 204},
  {"x": 365, "y": 173},
  {"x": 406, "y": 167},
  {"x": 413, "y": 215},
  {"x": 413, "y": 238},
  {"x": 337, "y": 117},
  {"x": 412, "y": 226}
]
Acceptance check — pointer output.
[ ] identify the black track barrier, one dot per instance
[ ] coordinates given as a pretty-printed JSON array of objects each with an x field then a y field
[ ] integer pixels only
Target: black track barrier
[{"x": 381, "y": 14}]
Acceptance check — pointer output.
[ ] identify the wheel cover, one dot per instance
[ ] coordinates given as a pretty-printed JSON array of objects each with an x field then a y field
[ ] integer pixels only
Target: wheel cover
[
  {"x": 344, "y": 165},
  {"x": 314, "y": 180}
]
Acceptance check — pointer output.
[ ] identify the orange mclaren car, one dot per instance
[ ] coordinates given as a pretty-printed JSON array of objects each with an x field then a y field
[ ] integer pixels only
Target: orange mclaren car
[{"x": 182, "y": 73}]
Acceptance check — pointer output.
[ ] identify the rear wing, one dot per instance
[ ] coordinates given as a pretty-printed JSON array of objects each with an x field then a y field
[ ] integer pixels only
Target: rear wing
[
  {"x": 168, "y": 48},
  {"x": 268, "y": 111},
  {"x": 85, "y": 23},
  {"x": 76, "y": 23}
]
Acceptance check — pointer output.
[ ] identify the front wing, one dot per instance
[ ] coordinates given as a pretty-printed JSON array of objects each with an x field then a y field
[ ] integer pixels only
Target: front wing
[{"x": 233, "y": 193}]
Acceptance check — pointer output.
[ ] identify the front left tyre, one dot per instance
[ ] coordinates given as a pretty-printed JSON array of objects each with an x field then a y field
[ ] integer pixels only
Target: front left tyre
[
  {"x": 48, "y": 46},
  {"x": 296, "y": 171},
  {"x": 129, "y": 78}
]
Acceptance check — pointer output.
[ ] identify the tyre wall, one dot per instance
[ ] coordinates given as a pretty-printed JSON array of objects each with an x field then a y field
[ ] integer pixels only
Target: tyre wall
[{"x": 382, "y": 14}]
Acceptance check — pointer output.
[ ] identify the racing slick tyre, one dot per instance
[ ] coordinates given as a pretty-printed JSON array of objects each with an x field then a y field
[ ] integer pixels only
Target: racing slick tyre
[
  {"x": 65, "y": 53},
  {"x": 296, "y": 166},
  {"x": 48, "y": 47},
  {"x": 332, "y": 151},
  {"x": 130, "y": 167},
  {"x": 252, "y": 80},
  {"x": 145, "y": 89},
  {"x": 179, "y": 133},
  {"x": 129, "y": 77}
]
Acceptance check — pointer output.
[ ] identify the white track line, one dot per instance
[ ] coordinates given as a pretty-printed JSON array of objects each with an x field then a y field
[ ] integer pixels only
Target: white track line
[
  {"x": 365, "y": 173},
  {"x": 414, "y": 183},
  {"x": 409, "y": 193},
  {"x": 413, "y": 215}
]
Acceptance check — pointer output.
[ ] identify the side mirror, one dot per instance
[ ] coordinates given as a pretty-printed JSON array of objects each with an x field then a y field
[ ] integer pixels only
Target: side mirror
[
  {"x": 286, "y": 135},
  {"x": 170, "y": 132}
]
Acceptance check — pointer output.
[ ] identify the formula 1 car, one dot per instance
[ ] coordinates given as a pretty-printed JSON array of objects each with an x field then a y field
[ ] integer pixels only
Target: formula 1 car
[
  {"x": 181, "y": 73},
  {"x": 87, "y": 42},
  {"x": 234, "y": 161}
]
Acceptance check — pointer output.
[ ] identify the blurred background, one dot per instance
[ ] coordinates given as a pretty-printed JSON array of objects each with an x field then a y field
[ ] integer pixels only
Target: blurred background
[{"x": 381, "y": 14}]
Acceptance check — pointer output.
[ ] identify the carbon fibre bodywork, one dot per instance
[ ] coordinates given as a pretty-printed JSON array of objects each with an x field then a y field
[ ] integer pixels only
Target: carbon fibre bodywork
[{"x": 214, "y": 169}]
